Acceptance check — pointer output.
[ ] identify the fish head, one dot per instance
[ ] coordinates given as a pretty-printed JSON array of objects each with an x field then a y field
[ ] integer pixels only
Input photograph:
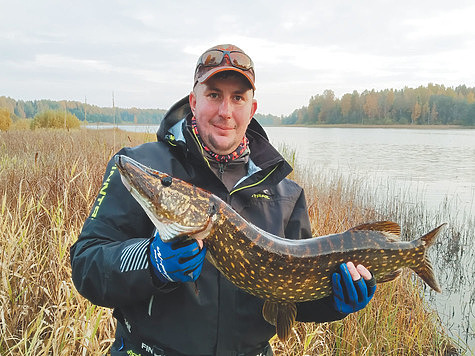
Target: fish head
[{"x": 175, "y": 207}]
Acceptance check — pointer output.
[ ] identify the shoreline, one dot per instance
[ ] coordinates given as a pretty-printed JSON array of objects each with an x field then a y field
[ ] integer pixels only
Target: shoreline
[
  {"x": 345, "y": 126},
  {"x": 370, "y": 126}
]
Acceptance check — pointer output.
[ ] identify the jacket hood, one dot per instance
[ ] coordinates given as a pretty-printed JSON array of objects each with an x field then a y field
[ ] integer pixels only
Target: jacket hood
[{"x": 181, "y": 109}]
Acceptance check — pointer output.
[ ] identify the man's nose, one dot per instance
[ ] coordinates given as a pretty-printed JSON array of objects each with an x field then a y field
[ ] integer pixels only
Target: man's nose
[{"x": 225, "y": 108}]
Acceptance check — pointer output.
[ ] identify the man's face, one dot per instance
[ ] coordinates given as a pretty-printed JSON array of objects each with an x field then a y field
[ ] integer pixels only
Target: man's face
[{"x": 223, "y": 108}]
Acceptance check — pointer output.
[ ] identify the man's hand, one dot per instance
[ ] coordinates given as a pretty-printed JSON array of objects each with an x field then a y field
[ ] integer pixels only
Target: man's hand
[
  {"x": 178, "y": 261},
  {"x": 357, "y": 289}
]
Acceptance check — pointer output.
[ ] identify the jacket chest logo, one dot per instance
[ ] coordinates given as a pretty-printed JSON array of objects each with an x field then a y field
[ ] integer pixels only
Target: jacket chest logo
[{"x": 265, "y": 194}]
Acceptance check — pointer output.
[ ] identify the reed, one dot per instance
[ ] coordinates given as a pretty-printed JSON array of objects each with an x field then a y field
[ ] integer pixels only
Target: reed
[{"x": 48, "y": 182}]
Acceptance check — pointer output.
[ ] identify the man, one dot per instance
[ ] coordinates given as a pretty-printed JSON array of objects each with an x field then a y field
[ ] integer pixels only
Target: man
[{"x": 167, "y": 299}]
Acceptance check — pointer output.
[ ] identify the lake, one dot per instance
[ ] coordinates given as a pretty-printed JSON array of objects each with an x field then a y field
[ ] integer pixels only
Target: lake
[
  {"x": 428, "y": 169},
  {"x": 434, "y": 165}
]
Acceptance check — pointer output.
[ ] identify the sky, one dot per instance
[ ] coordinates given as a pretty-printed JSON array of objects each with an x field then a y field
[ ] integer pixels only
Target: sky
[{"x": 143, "y": 53}]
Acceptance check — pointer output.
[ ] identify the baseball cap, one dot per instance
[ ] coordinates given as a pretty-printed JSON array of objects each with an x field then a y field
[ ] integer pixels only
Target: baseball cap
[{"x": 225, "y": 57}]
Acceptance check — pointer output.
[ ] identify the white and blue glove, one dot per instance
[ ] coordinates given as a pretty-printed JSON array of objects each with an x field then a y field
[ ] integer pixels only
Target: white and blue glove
[
  {"x": 177, "y": 261},
  {"x": 351, "y": 296}
]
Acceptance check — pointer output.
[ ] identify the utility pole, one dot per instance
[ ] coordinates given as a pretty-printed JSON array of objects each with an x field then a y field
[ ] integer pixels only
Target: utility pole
[{"x": 113, "y": 110}]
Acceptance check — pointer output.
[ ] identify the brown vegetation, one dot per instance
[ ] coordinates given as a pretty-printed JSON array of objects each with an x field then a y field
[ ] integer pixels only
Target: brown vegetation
[
  {"x": 48, "y": 182},
  {"x": 5, "y": 119}
]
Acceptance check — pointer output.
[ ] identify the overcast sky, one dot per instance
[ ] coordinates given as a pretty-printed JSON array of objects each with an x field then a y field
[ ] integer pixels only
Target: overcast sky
[{"x": 145, "y": 51}]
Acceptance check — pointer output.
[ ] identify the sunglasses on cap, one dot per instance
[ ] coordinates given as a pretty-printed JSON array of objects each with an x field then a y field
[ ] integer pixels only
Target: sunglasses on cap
[{"x": 215, "y": 57}]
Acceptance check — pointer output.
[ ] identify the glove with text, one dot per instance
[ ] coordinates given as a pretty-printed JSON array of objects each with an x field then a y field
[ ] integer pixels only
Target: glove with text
[
  {"x": 177, "y": 261},
  {"x": 351, "y": 296}
]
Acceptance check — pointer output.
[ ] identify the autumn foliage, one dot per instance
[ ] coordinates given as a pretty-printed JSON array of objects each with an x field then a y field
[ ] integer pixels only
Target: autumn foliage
[
  {"x": 55, "y": 119},
  {"x": 430, "y": 105},
  {"x": 5, "y": 120}
]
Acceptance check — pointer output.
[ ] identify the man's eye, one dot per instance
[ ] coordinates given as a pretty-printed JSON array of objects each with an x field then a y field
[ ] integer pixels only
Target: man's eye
[
  {"x": 238, "y": 98},
  {"x": 213, "y": 95}
]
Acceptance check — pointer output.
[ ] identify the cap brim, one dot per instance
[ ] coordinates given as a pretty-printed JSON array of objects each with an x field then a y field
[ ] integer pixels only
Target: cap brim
[{"x": 216, "y": 70}]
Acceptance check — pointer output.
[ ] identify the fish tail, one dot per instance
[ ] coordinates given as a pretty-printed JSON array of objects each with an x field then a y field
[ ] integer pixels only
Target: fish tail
[{"x": 425, "y": 270}]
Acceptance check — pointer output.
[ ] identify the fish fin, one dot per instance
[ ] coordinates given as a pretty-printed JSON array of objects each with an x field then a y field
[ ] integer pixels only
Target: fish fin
[
  {"x": 269, "y": 312},
  {"x": 282, "y": 315},
  {"x": 430, "y": 237},
  {"x": 205, "y": 232},
  {"x": 389, "y": 276},
  {"x": 169, "y": 231},
  {"x": 390, "y": 229},
  {"x": 285, "y": 320},
  {"x": 425, "y": 270},
  {"x": 383, "y": 226}
]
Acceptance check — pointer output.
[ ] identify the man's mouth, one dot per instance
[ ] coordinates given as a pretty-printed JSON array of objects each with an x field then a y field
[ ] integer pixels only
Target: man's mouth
[{"x": 224, "y": 128}]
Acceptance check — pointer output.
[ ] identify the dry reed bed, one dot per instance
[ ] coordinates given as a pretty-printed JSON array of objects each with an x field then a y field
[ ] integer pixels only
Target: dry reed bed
[{"x": 48, "y": 182}]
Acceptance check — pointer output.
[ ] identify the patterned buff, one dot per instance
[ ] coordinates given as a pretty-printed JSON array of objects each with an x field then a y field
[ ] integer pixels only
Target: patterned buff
[{"x": 221, "y": 158}]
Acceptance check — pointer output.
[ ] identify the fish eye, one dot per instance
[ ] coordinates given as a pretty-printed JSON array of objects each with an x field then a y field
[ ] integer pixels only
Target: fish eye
[{"x": 166, "y": 181}]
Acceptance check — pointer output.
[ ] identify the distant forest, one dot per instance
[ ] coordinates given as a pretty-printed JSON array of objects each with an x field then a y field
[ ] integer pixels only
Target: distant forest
[
  {"x": 430, "y": 105},
  {"x": 20, "y": 109},
  {"x": 426, "y": 105}
]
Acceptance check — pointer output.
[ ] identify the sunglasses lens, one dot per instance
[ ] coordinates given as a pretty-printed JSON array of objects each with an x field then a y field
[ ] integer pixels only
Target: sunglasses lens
[
  {"x": 212, "y": 58},
  {"x": 215, "y": 57},
  {"x": 240, "y": 60}
]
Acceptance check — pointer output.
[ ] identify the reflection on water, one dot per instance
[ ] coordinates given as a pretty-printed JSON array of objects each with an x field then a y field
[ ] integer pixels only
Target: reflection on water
[
  {"x": 434, "y": 164},
  {"x": 430, "y": 175},
  {"x": 455, "y": 268},
  {"x": 131, "y": 128}
]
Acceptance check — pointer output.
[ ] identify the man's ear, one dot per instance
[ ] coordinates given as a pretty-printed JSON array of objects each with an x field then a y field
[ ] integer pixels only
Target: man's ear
[
  {"x": 192, "y": 101},
  {"x": 253, "y": 109}
]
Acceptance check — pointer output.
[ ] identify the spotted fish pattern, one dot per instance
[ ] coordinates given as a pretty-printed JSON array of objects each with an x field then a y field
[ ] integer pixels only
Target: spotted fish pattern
[{"x": 280, "y": 271}]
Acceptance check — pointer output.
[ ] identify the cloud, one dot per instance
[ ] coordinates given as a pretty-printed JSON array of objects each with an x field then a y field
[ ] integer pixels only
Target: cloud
[{"x": 146, "y": 51}]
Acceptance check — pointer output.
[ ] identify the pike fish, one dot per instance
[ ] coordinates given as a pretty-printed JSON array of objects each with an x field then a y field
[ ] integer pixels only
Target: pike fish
[{"x": 281, "y": 271}]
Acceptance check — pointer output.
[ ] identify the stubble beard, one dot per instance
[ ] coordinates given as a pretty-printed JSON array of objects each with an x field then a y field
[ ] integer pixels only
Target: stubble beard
[{"x": 214, "y": 144}]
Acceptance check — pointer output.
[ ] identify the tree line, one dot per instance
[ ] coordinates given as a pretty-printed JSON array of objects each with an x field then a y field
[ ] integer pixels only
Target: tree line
[
  {"x": 426, "y": 105},
  {"x": 20, "y": 109}
]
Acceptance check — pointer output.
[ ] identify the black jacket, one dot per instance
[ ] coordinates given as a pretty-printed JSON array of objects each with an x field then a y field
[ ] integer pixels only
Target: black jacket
[{"x": 110, "y": 263}]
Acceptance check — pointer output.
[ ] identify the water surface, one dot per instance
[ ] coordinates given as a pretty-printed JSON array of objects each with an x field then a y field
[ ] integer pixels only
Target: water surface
[{"x": 435, "y": 165}]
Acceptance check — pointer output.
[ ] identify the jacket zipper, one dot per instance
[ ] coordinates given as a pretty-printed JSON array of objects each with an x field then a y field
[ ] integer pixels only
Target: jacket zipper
[{"x": 221, "y": 167}]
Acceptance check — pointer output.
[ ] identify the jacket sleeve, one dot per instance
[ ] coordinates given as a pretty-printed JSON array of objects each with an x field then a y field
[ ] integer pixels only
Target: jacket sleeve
[
  {"x": 320, "y": 310},
  {"x": 110, "y": 262}
]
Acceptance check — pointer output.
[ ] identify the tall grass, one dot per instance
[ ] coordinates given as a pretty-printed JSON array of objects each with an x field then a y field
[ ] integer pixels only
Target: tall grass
[{"x": 48, "y": 182}]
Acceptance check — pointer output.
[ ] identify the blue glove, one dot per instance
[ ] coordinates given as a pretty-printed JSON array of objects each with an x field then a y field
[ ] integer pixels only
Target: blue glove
[
  {"x": 177, "y": 261},
  {"x": 351, "y": 296}
]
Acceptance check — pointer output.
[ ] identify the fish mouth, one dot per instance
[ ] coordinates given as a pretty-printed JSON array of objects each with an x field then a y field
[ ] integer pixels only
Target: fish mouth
[
  {"x": 126, "y": 164},
  {"x": 132, "y": 172},
  {"x": 134, "y": 177}
]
